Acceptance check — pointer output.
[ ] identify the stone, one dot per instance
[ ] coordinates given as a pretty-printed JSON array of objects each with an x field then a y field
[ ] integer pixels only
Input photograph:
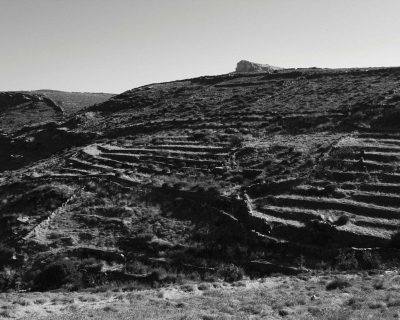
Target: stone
[{"x": 247, "y": 66}]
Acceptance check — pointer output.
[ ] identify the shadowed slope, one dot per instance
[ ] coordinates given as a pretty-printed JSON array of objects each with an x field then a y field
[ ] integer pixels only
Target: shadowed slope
[{"x": 257, "y": 169}]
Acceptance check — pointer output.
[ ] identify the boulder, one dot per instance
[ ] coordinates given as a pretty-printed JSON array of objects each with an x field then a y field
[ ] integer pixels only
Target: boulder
[{"x": 247, "y": 66}]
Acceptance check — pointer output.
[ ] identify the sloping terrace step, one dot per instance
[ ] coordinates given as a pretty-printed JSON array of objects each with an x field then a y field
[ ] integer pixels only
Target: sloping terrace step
[
  {"x": 372, "y": 186},
  {"x": 155, "y": 152},
  {"x": 135, "y": 158},
  {"x": 380, "y": 147},
  {"x": 376, "y": 156},
  {"x": 371, "y": 165},
  {"x": 347, "y": 205},
  {"x": 372, "y": 196},
  {"x": 343, "y": 176},
  {"x": 167, "y": 147},
  {"x": 304, "y": 215},
  {"x": 379, "y": 135}
]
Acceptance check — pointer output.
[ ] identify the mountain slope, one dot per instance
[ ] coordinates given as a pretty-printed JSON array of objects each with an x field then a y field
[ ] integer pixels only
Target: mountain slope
[
  {"x": 18, "y": 109},
  {"x": 72, "y": 102},
  {"x": 25, "y": 108},
  {"x": 255, "y": 169}
]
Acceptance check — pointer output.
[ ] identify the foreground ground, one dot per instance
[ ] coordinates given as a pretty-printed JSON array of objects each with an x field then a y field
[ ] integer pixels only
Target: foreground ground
[{"x": 329, "y": 296}]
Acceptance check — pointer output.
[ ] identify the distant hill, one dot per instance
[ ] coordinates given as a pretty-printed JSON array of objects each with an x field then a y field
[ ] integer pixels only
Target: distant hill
[
  {"x": 21, "y": 108},
  {"x": 72, "y": 102},
  {"x": 18, "y": 109}
]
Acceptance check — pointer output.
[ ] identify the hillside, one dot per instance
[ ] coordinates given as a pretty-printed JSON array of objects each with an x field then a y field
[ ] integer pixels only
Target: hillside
[
  {"x": 25, "y": 108},
  {"x": 253, "y": 173},
  {"x": 72, "y": 102},
  {"x": 18, "y": 109}
]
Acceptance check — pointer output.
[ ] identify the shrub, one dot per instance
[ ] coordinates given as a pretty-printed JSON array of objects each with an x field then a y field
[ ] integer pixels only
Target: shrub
[
  {"x": 137, "y": 267},
  {"x": 6, "y": 255},
  {"x": 90, "y": 265},
  {"x": 329, "y": 189},
  {"x": 340, "y": 153},
  {"x": 160, "y": 275},
  {"x": 342, "y": 220},
  {"x": 238, "y": 178},
  {"x": 57, "y": 274},
  {"x": 338, "y": 283},
  {"x": 7, "y": 280},
  {"x": 236, "y": 141},
  {"x": 395, "y": 240},
  {"x": 110, "y": 309},
  {"x": 346, "y": 260},
  {"x": 230, "y": 273},
  {"x": 379, "y": 284},
  {"x": 199, "y": 135},
  {"x": 5, "y": 314},
  {"x": 389, "y": 118},
  {"x": 369, "y": 260}
]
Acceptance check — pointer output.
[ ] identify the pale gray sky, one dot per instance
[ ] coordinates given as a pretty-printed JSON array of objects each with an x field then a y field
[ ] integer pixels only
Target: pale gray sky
[{"x": 115, "y": 45}]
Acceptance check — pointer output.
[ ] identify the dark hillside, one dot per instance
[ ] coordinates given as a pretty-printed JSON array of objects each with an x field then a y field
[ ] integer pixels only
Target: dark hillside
[{"x": 266, "y": 172}]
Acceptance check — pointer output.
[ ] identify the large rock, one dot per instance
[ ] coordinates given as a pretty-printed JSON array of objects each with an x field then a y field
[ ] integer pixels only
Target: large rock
[{"x": 247, "y": 66}]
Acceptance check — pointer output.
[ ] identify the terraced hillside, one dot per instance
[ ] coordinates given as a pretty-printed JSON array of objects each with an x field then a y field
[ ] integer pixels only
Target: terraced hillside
[
  {"x": 258, "y": 170},
  {"x": 353, "y": 196}
]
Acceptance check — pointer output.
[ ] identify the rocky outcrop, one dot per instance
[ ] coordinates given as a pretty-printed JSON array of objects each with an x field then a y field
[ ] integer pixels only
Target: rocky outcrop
[{"x": 247, "y": 66}]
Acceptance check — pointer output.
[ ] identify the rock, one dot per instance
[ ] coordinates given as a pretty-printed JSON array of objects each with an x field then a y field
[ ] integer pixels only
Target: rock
[
  {"x": 266, "y": 267},
  {"x": 247, "y": 66},
  {"x": 23, "y": 219},
  {"x": 204, "y": 286},
  {"x": 181, "y": 305},
  {"x": 284, "y": 312},
  {"x": 378, "y": 305},
  {"x": 67, "y": 241}
]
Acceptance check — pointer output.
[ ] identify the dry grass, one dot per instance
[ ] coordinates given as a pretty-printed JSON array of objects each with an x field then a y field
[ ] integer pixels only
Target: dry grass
[{"x": 303, "y": 298}]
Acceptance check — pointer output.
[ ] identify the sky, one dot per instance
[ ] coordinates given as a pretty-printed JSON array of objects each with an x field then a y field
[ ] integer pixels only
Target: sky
[{"x": 116, "y": 45}]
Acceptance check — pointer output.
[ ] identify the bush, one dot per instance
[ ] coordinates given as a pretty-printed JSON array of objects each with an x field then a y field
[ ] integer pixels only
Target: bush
[
  {"x": 340, "y": 153},
  {"x": 6, "y": 255},
  {"x": 395, "y": 240},
  {"x": 57, "y": 274},
  {"x": 346, "y": 260},
  {"x": 230, "y": 273},
  {"x": 137, "y": 267},
  {"x": 342, "y": 220},
  {"x": 158, "y": 274},
  {"x": 199, "y": 135},
  {"x": 7, "y": 281},
  {"x": 330, "y": 189},
  {"x": 369, "y": 260},
  {"x": 90, "y": 265},
  {"x": 236, "y": 141},
  {"x": 338, "y": 283}
]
